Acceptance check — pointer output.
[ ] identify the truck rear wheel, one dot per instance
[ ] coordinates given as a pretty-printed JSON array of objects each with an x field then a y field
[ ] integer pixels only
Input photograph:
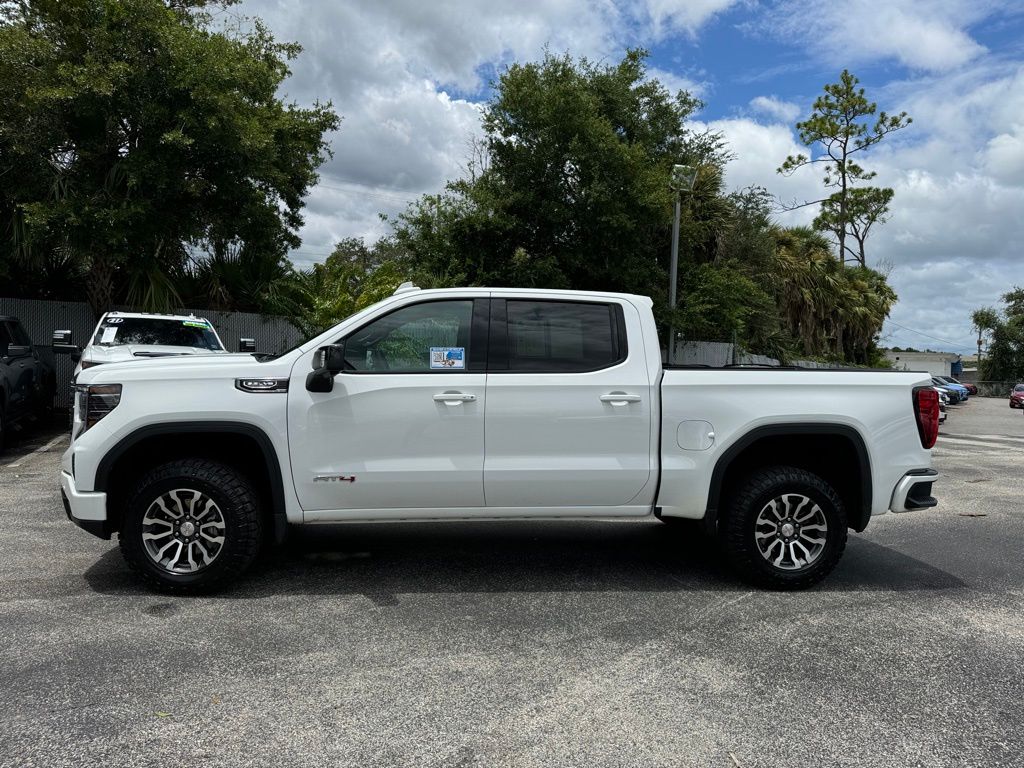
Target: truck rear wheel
[
  {"x": 191, "y": 525},
  {"x": 785, "y": 528}
]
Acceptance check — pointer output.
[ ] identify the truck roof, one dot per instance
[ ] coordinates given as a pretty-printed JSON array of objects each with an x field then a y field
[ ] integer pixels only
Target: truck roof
[
  {"x": 156, "y": 315},
  {"x": 406, "y": 288}
]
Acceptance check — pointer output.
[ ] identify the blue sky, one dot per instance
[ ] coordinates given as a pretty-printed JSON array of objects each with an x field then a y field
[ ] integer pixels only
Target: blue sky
[{"x": 408, "y": 78}]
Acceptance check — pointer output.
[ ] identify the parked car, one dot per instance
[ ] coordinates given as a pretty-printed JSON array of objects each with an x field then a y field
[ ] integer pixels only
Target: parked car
[
  {"x": 27, "y": 382},
  {"x": 962, "y": 388},
  {"x": 195, "y": 462},
  {"x": 954, "y": 394},
  {"x": 121, "y": 336},
  {"x": 1017, "y": 396}
]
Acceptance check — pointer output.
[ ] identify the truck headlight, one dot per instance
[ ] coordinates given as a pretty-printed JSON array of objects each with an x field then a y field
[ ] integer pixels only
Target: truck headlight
[{"x": 93, "y": 402}]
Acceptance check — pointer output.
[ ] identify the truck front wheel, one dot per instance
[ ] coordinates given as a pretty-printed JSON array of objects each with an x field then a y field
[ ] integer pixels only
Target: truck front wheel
[
  {"x": 785, "y": 528},
  {"x": 191, "y": 525}
]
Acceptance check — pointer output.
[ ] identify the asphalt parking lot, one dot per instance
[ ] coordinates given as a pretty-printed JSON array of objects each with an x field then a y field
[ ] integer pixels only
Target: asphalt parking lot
[{"x": 527, "y": 644}]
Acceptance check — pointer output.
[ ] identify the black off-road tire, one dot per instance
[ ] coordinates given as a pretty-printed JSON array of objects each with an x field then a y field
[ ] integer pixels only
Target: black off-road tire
[
  {"x": 737, "y": 530},
  {"x": 239, "y": 504}
]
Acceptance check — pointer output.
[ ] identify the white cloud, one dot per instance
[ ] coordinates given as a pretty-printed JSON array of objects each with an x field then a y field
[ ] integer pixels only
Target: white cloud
[
  {"x": 958, "y": 176},
  {"x": 405, "y": 74},
  {"x": 772, "y": 106},
  {"x": 925, "y": 35},
  {"x": 392, "y": 69},
  {"x": 681, "y": 16},
  {"x": 674, "y": 82}
]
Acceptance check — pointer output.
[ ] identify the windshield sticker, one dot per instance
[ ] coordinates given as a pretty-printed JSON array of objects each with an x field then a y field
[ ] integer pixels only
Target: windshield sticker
[
  {"x": 195, "y": 324},
  {"x": 450, "y": 358},
  {"x": 108, "y": 335},
  {"x": 114, "y": 320}
]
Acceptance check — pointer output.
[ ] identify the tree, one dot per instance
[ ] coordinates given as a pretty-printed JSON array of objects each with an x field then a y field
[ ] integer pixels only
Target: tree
[
  {"x": 139, "y": 138},
  {"x": 840, "y": 127},
  {"x": 1005, "y": 360},
  {"x": 353, "y": 277},
  {"x": 984, "y": 320},
  {"x": 573, "y": 190},
  {"x": 569, "y": 189}
]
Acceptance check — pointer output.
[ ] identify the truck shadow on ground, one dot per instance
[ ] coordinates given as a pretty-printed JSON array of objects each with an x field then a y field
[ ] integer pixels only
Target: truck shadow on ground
[{"x": 384, "y": 560}]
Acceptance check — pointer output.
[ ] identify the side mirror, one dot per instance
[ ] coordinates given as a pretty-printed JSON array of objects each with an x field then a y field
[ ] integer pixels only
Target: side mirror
[
  {"x": 247, "y": 345},
  {"x": 18, "y": 350},
  {"x": 61, "y": 345},
  {"x": 327, "y": 363}
]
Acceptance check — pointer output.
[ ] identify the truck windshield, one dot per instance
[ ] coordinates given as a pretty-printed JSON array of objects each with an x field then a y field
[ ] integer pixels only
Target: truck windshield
[{"x": 114, "y": 331}]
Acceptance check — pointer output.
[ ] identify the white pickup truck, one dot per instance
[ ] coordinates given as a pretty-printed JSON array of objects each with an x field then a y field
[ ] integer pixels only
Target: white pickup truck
[{"x": 478, "y": 403}]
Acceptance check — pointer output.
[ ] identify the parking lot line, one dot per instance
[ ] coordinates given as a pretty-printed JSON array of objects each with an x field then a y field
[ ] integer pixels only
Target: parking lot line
[{"x": 40, "y": 449}]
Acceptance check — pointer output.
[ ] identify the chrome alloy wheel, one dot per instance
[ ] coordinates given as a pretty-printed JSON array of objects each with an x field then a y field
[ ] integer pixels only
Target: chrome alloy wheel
[
  {"x": 790, "y": 531},
  {"x": 183, "y": 531}
]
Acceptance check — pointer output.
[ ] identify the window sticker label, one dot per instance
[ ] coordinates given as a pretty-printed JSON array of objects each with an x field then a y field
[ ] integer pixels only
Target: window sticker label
[
  {"x": 448, "y": 358},
  {"x": 114, "y": 320},
  {"x": 108, "y": 334},
  {"x": 195, "y": 324}
]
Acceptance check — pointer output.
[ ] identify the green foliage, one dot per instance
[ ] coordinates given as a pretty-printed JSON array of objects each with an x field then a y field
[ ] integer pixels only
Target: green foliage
[
  {"x": 574, "y": 192},
  {"x": 1005, "y": 361},
  {"x": 834, "y": 311},
  {"x": 570, "y": 190},
  {"x": 353, "y": 277},
  {"x": 134, "y": 134},
  {"x": 842, "y": 124}
]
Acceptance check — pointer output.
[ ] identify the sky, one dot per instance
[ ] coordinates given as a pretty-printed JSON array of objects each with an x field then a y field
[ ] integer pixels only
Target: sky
[{"x": 409, "y": 77}]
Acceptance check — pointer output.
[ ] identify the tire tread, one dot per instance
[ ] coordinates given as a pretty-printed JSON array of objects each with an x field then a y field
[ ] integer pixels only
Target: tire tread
[{"x": 246, "y": 525}]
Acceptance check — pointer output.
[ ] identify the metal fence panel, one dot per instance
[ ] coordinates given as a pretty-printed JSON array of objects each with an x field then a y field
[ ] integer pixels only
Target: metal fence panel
[
  {"x": 995, "y": 388},
  {"x": 42, "y": 318}
]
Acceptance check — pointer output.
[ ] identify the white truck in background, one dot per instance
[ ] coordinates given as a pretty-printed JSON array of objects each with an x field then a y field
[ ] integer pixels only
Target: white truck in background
[
  {"x": 479, "y": 403},
  {"x": 122, "y": 336}
]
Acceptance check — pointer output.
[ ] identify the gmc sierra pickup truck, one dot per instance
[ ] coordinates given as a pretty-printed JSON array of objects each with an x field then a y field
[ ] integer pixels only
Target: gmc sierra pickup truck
[{"x": 478, "y": 403}]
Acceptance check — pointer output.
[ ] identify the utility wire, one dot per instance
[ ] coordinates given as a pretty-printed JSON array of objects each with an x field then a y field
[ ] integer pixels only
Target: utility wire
[{"x": 936, "y": 338}]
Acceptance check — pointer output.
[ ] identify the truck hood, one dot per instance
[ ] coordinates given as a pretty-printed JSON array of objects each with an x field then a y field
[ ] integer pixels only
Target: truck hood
[
  {"x": 123, "y": 352},
  {"x": 216, "y": 365}
]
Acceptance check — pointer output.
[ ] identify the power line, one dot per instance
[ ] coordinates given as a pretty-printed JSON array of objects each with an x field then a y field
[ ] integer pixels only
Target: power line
[
  {"x": 936, "y": 338},
  {"x": 356, "y": 190}
]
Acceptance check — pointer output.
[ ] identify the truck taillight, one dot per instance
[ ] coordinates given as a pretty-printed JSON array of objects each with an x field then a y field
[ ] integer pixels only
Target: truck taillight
[{"x": 926, "y": 409}]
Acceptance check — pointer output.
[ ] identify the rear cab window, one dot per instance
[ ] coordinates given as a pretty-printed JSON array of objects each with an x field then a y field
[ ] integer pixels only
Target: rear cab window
[{"x": 552, "y": 336}]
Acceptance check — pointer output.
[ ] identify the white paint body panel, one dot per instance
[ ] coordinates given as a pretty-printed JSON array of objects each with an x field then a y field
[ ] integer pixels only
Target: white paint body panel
[
  {"x": 552, "y": 441},
  {"x": 529, "y": 445},
  {"x": 403, "y": 448}
]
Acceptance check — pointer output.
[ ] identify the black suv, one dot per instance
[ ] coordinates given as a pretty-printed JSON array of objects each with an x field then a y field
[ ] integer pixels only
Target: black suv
[{"x": 27, "y": 383}]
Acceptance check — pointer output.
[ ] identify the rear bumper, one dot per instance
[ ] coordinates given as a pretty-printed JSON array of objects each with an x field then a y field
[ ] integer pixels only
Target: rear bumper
[
  {"x": 914, "y": 491},
  {"x": 86, "y": 509}
]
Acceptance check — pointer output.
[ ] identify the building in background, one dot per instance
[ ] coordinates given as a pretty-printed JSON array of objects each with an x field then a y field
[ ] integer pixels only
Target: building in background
[{"x": 934, "y": 363}]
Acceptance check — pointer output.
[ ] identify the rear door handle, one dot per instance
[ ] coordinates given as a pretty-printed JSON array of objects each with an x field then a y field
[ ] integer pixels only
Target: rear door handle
[
  {"x": 620, "y": 398},
  {"x": 454, "y": 398}
]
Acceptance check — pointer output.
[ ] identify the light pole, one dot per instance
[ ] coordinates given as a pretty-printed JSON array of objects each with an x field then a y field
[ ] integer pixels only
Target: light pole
[{"x": 683, "y": 179}]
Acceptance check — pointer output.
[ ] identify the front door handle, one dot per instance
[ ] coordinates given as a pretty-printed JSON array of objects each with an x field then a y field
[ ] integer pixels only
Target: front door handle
[
  {"x": 454, "y": 398},
  {"x": 620, "y": 398}
]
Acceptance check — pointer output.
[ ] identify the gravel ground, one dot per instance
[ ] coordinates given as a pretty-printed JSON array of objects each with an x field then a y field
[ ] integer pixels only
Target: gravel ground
[{"x": 527, "y": 644}]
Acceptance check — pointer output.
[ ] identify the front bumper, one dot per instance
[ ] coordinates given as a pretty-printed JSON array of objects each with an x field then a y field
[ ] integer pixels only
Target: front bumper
[
  {"x": 86, "y": 509},
  {"x": 914, "y": 491}
]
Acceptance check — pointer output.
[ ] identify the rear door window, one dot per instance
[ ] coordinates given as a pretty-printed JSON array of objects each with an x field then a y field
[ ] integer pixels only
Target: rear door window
[{"x": 563, "y": 336}]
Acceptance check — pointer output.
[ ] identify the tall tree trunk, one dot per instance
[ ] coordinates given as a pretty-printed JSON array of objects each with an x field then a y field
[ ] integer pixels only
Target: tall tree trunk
[{"x": 100, "y": 285}]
